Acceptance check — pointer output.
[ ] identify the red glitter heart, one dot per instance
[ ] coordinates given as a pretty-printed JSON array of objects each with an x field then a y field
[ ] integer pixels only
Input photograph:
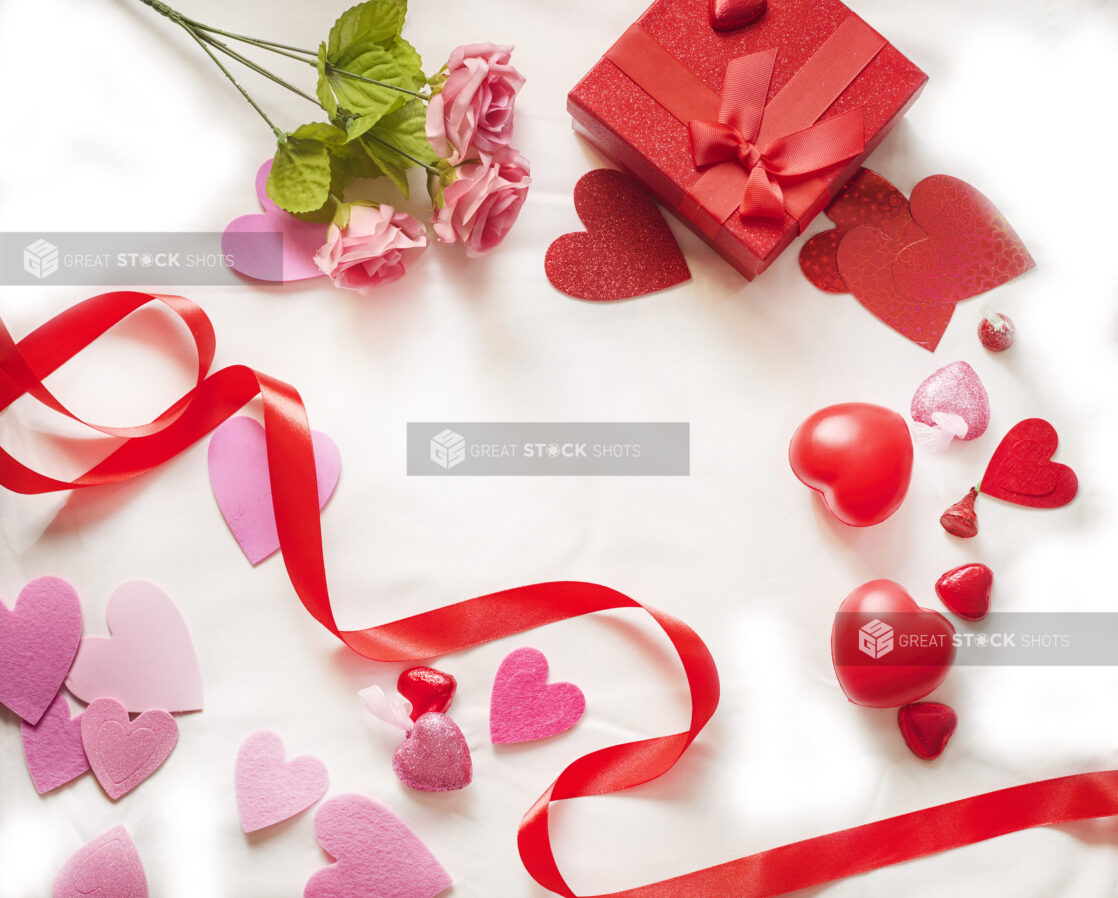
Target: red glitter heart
[
  {"x": 729, "y": 15},
  {"x": 970, "y": 247},
  {"x": 965, "y": 590},
  {"x": 627, "y": 249},
  {"x": 926, "y": 727},
  {"x": 427, "y": 689},
  {"x": 1022, "y": 472}
]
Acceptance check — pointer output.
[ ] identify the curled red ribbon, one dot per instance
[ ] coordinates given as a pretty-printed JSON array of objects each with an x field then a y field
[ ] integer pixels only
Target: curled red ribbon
[{"x": 217, "y": 396}]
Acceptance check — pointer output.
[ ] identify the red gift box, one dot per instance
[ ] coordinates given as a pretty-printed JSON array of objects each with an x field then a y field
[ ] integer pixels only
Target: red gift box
[{"x": 745, "y": 135}]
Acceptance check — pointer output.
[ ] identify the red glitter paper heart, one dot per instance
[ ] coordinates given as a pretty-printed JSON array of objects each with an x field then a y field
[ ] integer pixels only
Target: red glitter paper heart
[
  {"x": 867, "y": 199},
  {"x": 970, "y": 247},
  {"x": 1022, "y": 472},
  {"x": 729, "y": 15},
  {"x": 965, "y": 590},
  {"x": 627, "y": 248},
  {"x": 427, "y": 689},
  {"x": 866, "y": 258},
  {"x": 926, "y": 727}
]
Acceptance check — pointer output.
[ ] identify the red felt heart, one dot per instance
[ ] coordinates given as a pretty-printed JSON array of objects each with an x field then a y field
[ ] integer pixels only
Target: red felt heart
[
  {"x": 728, "y": 15},
  {"x": 926, "y": 727},
  {"x": 627, "y": 248},
  {"x": 965, "y": 590},
  {"x": 886, "y": 649},
  {"x": 1022, "y": 472},
  {"x": 866, "y": 260},
  {"x": 970, "y": 247},
  {"x": 427, "y": 689}
]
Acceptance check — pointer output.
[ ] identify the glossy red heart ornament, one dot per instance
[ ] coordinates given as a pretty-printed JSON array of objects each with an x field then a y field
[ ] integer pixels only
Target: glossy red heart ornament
[
  {"x": 858, "y": 456},
  {"x": 1022, "y": 470},
  {"x": 427, "y": 689},
  {"x": 926, "y": 727},
  {"x": 886, "y": 649},
  {"x": 965, "y": 590},
  {"x": 729, "y": 15}
]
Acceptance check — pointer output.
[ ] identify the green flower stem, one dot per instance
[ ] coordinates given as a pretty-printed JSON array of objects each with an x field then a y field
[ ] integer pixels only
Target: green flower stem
[
  {"x": 245, "y": 61},
  {"x": 408, "y": 156}
]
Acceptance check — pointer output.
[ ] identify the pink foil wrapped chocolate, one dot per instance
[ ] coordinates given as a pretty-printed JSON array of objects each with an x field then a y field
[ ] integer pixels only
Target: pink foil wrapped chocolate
[{"x": 745, "y": 135}]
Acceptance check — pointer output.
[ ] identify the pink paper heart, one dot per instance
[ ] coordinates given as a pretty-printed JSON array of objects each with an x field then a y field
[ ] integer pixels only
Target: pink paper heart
[
  {"x": 256, "y": 253},
  {"x": 147, "y": 662},
  {"x": 238, "y": 461},
  {"x": 123, "y": 753},
  {"x": 376, "y": 854},
  {"x": 53, "y": 747},
  {"x": 524, "y": 706},
  {"x": 107, "y": 867},
  {"x": 434, "y": 757},
  {"x": 38, "y": 640},
  {"x": 270, "y": 789}
]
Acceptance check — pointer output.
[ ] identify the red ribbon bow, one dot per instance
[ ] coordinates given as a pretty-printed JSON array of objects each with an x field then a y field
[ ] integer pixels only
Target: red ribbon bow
[{"x": 751, "y": 155}]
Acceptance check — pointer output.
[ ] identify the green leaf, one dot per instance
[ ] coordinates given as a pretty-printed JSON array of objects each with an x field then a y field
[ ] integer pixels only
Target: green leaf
[
  {"x": 406, "y": 129},
  {"x": 325, "y": 94},
  {"x": 394, "y": 64},
  {"x": 300, "y": 176},
  {"x": 320, "y": 131},
  {"x": 376, "y": 20},
  {"x": 388, "y": 161}
]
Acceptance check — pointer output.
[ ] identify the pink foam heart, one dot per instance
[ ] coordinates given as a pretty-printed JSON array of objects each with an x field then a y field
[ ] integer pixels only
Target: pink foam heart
[
  {"x": 270, "y": 789},
  {"x": 147, "y": 662},
  {"x": 434, "y": 757},
  {"x": 375, "y": 853},
  {"x": 524, "y": 706},
  {"x": 53, "y": 747},
  {"x": 238, "y": 461},
  {"x": 123, "y": 753},
  {"x": 108, "y": 867},
  {"x": 256, "y": 253},
  {"x": 38, "y": 640}
]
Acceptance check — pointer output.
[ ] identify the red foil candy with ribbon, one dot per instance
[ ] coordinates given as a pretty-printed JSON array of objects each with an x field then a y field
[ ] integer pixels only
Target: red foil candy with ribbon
[
  {"x": 745, "y": 135},
  {"x": 220, "y": 394}
]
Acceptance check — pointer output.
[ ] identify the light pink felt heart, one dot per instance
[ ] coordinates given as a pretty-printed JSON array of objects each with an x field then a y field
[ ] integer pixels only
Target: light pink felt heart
[
  {"x": 274, "y": 246},
  {"x": 238, "y": 460},
  {"x": 147, "y": 662},
  {"x": 107, "y": 867},
  {"x": 524, "y": 706},
  {"x": 375, "y": 853},
  {"x": 38, "y": 640},
  {"x": 53, "y": 747},
  {"x": 269, "y": 789},
  {"x": 123, "y": 753}
]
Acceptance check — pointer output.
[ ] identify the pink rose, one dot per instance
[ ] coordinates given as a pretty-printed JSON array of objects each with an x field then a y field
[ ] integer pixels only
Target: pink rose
[
  {"x": 372, "y": 250},
  {"x": 480, "y": 207},
  {"x": 474, "y": 109}
]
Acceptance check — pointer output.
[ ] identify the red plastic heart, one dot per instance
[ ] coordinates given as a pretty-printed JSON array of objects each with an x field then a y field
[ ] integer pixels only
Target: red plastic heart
[
  {"x": 1022, "y": 471},
  {"x": 886, "y": 649},
  {"x": 627, "y": 248},
  {"x": 729, "y": 15},
  {"x": 927, "y": 727},
  {"x": 427, "y": 689},
  {"x": 965, "y": 590}
]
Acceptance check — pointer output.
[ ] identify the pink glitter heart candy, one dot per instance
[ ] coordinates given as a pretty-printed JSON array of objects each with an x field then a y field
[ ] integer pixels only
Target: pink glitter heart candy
[
  {"x": 434, "y": 757},
  {"x": 953, "y": 390}
]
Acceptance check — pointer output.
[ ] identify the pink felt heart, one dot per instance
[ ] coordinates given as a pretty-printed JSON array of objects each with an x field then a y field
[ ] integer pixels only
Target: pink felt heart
[
  {"x": 147, "y": 662},
  {"x": 376, "y": 854},
  {"x": 53, "y": 747},
  {"x": 238, "y": 461},
  {"x": 270, "y": 789},
  {"x": 123, "y": 753},
  {"x": 434, "y": 757},
  {"x": 274, "y": 246},
  {"x": 107, "y": 867},
  {"x": 38, "y": 640},
  {"x": 524, "y": 706}
]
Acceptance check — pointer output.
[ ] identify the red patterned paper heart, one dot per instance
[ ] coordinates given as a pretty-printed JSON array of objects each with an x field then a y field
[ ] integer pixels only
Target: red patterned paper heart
[
  {"x": 926, "y": 727},
  {"x": 627, "y": 248},
  {"x": 1022, "y": 470},
  {"x": 427, "y": 689},
  {"x": 970, "y": 247},
  {"x": 965, "y": 590}
]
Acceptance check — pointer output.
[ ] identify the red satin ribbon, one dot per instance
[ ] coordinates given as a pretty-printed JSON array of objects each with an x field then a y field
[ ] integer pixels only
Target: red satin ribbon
[{"x": 217, "y": 396}]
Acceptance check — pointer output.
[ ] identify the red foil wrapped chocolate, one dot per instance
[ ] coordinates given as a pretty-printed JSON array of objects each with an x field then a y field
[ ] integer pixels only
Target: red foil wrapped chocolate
[{"x": 674, "y": 102}]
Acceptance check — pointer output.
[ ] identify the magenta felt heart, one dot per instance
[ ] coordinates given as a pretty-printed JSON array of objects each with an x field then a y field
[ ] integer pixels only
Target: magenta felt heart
[
  {"x": 38, "y": 640},
  {"x": 524, "y": 706},
  {"x": 238, "y": 461},
  {"x": 271, "y": 789},
  {"x": 123, "y": 753},
  {"x": 53, "y": 747},
  {"x": 376, "y": 854},
  {"x": 107, "y": 867},
  {"x": 274, "y": 246}
]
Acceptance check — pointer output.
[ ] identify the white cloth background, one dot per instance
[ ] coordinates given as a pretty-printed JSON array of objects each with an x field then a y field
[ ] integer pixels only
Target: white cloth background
[{"x": 114, "y": 121}]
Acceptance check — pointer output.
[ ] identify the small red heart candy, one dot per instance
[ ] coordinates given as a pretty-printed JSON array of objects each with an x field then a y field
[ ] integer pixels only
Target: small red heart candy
[
  {"x": 729, "y": 15},
  {"x": 965, "y": 590},
  {"x": 427, "y": 689},
  {"x": 927, "y": 727}
]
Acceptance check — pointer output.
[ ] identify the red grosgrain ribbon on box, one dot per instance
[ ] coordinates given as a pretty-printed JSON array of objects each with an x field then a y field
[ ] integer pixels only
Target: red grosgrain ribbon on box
[
  {"x": 760, "y": 159},
  {"x": 218, "y": 395}
]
